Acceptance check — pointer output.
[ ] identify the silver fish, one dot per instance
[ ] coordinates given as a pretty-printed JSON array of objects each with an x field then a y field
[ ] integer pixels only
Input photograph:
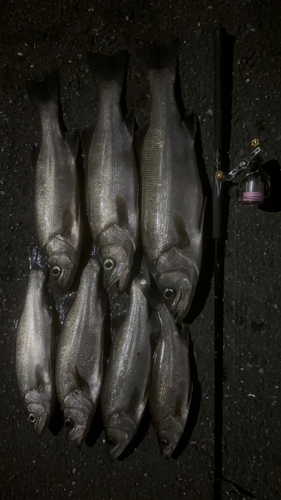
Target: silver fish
[
  {"x": 125, "y": 388},
  {"x": 172, "y": 198},
  {"x": 57, "y": 195},
  {"x": 79, "y": 366},
  {"x": 35, "y": 348},
  {"x": 170, "y": 389},
  {"x": 112, "y": 184}
]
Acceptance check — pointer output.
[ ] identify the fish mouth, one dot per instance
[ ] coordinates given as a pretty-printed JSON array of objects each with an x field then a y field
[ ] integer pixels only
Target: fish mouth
[
  {"x": 65, "y": 280},
  {"x": 121, "y": 275},
  {"x": 77, "y": 435},
  {"x": 169, "y": 437},
  {"x": 166, "y": 448},
  {"x": 40, "y": 425},
  {"x": 180, "y": 305},
  {"x": 117, "y": 440},
  {"x": 175, "y": 303}
]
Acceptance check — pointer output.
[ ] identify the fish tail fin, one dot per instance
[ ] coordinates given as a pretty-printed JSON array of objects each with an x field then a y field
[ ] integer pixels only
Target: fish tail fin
[
  {"x": 108, "y": 68},
  {"x": 45, "y": 92},
  {"x": 157, "y": 57},
  {"x": 36, "y": 259}
]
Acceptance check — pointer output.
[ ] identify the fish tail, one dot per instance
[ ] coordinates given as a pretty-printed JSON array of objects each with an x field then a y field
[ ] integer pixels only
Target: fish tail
[
  {"x": 36, "y": 259},
  {"x": 44, "y": 92},
  {"x": 108, "y": 68},
  {"x": 157, "y": 57}
]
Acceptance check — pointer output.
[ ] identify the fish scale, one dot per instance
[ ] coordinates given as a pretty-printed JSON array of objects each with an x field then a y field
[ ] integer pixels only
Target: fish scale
[
  {"x": 172, "y": 198},
  {"x": 112, "y": 183},
  {"x": 108, "y": 170},
  {"x": 57, "y": 196},
  {"x": 35, "y": 351},
  {"x": 170, "y": 390},
  {"x": 126, "y": 381},
  {"x": 79, "y": 363}
]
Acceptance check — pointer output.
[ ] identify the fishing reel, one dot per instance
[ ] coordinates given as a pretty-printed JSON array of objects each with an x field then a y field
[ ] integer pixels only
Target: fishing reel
[{"x": 254, "y": 184}]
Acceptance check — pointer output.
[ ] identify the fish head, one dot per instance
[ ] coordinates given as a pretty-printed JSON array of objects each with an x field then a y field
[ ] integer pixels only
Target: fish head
[
  {"x": 168, "y": 436},
  {"x": 177, "y": 290},
  {"x": 63, "y": 269},
  {"x": 120, "y": 430},
  {"x": 78, "y": 412},
  {"x": 117, "y": 263},
  {"x": 38, "y": 416}
]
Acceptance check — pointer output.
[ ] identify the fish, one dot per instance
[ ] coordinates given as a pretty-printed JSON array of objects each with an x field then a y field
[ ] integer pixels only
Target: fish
[
  {"x": 125, "y": 388},
  {"x": 35, "y": 347},
  {"x": 170, "y": 388},
  {"x": 79, "y": 366},
  {"x": 112, "y": 178},
  {"x": 172, "y": 207},
  {"x": 57, "y": 193}
]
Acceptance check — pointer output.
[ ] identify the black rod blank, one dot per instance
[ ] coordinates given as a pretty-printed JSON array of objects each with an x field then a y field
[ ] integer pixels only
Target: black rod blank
[
  {"x": 219, "y": 90},
  {"x": 220, "y": 151}
]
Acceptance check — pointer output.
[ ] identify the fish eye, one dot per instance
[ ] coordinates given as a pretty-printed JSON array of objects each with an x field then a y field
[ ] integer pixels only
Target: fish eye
[
  {"x": 163, "y": 441},
  {"x": 56, "y": 270},
  {"x": 69, "y": 424},
  {"x": 109, "y": 264},
  {"x": 31, "y": 418},
  {"x": 168, "y": 293}
]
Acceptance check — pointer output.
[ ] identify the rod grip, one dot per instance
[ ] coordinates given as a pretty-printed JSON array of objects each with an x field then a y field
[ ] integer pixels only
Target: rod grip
[{"x": 218, "y": 95}]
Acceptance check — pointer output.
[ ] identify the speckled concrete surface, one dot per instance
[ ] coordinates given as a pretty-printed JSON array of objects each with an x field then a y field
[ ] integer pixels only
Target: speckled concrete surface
[{"x": 37, "y": 37}]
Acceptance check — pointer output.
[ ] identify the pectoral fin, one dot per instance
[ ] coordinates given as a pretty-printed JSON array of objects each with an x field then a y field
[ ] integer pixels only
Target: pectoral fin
[
  {"x": 39, "y": 377},
  {"x": 134, "y": 401},
  {"x": 183, "y": 237},
  {"x": 67, "y": 224},
  {"x": 80, "y": 381},
  {"x": 185, "y": 335},
  {"x": 122, "y": 211},
  {"x": 178, "y": 406}
]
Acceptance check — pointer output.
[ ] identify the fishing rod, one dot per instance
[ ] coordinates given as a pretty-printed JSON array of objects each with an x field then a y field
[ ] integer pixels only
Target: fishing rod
[
  {"x": 254, "y": 187},
  {"x": 219, "y": 160}
]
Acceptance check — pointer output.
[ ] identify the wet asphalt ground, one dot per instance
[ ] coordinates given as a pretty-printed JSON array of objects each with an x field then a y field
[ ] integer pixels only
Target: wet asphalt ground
[{"x": 39, "y": 37}]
